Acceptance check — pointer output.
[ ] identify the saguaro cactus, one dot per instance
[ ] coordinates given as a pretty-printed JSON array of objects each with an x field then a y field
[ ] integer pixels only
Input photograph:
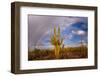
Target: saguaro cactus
[{"x": 57, "y": 41}]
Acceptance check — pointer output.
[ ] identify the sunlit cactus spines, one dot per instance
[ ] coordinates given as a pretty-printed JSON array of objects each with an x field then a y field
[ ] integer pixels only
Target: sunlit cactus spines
[{"x": 57, "y": 41}]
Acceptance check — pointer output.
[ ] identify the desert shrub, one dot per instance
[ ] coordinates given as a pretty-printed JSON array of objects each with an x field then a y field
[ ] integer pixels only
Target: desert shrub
[{"x": 65, "y": 53}]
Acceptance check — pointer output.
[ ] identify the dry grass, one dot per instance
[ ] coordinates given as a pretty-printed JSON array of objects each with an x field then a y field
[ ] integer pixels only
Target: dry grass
[{"x": 65, "y": 53}]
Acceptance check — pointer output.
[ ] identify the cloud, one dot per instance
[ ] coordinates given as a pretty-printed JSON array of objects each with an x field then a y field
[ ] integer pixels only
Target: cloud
[
  {"x": 39, "y": 27},
  {"x": 68, "y": 21},
  {"x": 78, "y": 32}
]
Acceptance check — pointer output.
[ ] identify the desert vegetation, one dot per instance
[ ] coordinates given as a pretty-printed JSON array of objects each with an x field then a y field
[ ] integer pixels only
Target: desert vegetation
[
  {"x": 57, "y": 41},
  {"x": 65, "y": 53}
]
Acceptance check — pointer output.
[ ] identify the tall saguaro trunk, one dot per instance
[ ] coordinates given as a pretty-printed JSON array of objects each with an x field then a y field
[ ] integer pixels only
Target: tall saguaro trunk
[{"x": 57, "y": 42}]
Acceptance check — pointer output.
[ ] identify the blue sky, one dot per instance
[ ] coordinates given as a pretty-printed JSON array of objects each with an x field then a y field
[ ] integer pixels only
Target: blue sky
[{"x": 72, "y": 28}]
